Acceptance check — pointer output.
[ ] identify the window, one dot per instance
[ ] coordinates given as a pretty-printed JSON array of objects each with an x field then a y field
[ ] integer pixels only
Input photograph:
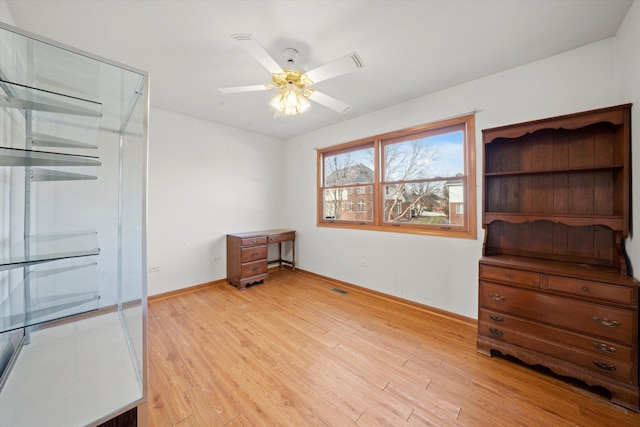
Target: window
[{"x": 418, "y": 180}]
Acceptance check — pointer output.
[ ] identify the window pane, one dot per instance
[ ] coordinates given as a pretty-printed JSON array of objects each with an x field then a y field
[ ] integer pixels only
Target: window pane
[
  {"x": 353, "y": 167},
  {"x": 439, "y": 155},
  {"x": 345, "y": 204},
  {"x": 433, "y": 202}
]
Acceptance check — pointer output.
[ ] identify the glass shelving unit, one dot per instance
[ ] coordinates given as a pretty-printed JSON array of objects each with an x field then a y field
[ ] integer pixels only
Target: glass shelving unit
[{"x": 73, "y": 150}]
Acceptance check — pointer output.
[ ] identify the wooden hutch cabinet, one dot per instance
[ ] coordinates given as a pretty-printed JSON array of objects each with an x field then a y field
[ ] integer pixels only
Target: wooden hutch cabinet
[{"x": 555, "y": 288}]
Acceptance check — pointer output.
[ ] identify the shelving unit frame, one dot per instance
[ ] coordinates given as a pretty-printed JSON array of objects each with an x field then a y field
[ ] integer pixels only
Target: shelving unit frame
[{"x": 73, "y": 154}]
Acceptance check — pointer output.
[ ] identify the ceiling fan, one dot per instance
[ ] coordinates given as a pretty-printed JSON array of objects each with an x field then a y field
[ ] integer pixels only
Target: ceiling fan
[{"x": 295, "y": 86}]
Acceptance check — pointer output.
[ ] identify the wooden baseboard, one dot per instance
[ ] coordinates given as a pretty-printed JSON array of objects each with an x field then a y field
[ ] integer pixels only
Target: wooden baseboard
[
  {"x": 433, "y": 310},
  {"x": 185, "y": 290}
]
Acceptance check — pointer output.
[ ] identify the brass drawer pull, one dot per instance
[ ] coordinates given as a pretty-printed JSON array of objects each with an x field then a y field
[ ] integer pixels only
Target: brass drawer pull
[
  {"x": 497, "y": 297},
  {"x": 496, "y": 332},
  {"x": 605, "y": 348},
  {"x": 496, "y": 318},
  {"x": 604, "y": 366},
  {"x": 254, "y": 241},
  {"x": 254, "y": 254},
  {"x": 606, "y": 322}
]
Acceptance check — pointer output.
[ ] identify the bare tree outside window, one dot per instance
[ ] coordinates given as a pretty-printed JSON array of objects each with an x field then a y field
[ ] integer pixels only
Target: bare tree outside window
[{"x": 417, "y": 172}]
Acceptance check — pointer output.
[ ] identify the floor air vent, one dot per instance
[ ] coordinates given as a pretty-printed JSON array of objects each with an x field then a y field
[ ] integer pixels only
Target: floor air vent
[{"x": 340, "y": 291}]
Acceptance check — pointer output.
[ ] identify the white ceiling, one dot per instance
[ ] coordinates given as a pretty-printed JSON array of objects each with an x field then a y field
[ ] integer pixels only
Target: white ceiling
[{"x": 409, "y": 48}]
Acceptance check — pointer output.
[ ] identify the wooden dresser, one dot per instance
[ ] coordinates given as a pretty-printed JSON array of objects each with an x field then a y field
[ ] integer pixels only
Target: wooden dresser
[
  {"x": 554, "y": 283},
  {"x": 247, "y": 255}
]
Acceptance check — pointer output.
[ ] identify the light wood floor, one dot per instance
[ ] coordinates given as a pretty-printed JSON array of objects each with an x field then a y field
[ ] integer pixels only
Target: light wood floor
[{"x": 293, "y": 352}]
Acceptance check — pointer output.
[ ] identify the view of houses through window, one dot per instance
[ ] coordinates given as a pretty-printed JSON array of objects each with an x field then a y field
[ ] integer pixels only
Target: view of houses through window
[{"x": 418, "y": 180}]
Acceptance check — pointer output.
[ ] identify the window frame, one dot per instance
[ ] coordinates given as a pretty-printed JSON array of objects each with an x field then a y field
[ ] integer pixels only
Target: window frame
[{"x": 378, "y": 143}]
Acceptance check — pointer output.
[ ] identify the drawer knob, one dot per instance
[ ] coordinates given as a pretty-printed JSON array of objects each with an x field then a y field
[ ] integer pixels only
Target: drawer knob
[
  {"x": 606, "y": 322},
  {"x": 604, "y": 366},
  {"x": 497, "y": 297},
  {"x": 605, "y": 348},
  {"x": 254, "y": 254},
  {"x": 508, "y": 276},
  {"x": 255, "y": 268},
  {"x": 496, "y": 332},
  {"x": 585, "y": 288},
  {"x": 496, "y": 318},
  {"x": 254, "y": 241}
]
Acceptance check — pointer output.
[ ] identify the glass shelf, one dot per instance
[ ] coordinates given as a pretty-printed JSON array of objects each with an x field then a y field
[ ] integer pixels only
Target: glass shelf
[
  {"x": 19, "y": 157},
  {"x": 30, "y": 98},
  {"x": 54, "y": 293},
  {"x": 47, "y": 247},
  {"x": 55, "y": 175},
  {"x": 43, "y": 140}
]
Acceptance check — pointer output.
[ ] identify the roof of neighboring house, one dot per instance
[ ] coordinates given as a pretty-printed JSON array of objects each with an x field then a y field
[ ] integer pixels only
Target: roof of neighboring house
[{"x": 356, "y": 174}]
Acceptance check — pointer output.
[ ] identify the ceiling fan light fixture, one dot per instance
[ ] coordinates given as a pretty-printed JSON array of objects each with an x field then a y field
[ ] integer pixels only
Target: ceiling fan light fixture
[{"x": 290, "y": 101}]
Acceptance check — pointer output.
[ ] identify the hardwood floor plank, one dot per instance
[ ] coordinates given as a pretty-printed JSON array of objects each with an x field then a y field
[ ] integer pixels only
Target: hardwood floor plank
[{"x": 292, "y": 352}]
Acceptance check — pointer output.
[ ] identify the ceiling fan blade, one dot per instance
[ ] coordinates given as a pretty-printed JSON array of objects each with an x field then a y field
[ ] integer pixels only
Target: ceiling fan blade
[
  {"x": 330, "y": 102},
  {"x": 340, "y": 66},
  {"x": 239, "y": 89},
  {"x": 251, "y": 45}
]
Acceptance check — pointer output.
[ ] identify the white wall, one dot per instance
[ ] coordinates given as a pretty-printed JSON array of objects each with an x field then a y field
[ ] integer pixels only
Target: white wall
[
  {"x": 5, "y": 15},
  {"x": 440, "y": 272},
  {"x": 628, "y": 61},
  {"x": 205, "y": 180}
]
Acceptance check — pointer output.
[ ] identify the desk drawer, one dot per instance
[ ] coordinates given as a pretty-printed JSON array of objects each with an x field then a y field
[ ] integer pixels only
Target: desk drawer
[
  {"x": 254, "y": 268},
  {"x": 254, "y": 253},
  {"x": 252, "y": 241},
  {"x": 281, "y": 237}
]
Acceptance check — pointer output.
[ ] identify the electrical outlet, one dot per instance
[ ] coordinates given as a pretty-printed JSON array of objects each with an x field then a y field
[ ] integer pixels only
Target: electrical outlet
[{"x": 154, "y": 269}]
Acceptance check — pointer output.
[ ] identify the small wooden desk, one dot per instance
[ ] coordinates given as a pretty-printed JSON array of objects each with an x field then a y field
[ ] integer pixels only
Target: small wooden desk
[{"x": 247, "y": 255}]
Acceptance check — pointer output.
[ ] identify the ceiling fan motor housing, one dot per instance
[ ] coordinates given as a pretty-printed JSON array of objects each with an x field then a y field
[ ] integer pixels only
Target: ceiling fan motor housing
[{"x": 290, "y": 55}]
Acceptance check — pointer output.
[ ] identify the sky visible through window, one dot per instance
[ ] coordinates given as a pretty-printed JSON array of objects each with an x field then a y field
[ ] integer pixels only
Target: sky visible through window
[{"x": 439, "y": 155}]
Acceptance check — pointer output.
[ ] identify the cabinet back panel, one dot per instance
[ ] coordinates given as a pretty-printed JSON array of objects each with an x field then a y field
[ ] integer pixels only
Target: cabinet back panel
[
  {"x": 584, "y": 193},
  {"x": 598, "y": 145},
  {"x": 547, "y": 240}
]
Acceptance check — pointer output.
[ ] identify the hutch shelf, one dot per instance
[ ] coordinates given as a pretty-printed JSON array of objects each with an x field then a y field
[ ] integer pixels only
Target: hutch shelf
[{"x": 555, "y": 286}]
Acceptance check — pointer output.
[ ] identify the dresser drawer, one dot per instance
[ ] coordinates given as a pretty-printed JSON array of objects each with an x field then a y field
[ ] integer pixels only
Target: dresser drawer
[
  {"x": 253, "y": 268},
  {"x": 252, "y": 241},
  {"x": 508, "y": 275},
  {"x": 280, "y": 237},
  {"x": 601, "y": 364},
  {"x": 610, "y": 323},
  {"x": 254, "y": 253},
  {"x": 595, "y": 346},
  {"x": 586, "y": 288}
]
